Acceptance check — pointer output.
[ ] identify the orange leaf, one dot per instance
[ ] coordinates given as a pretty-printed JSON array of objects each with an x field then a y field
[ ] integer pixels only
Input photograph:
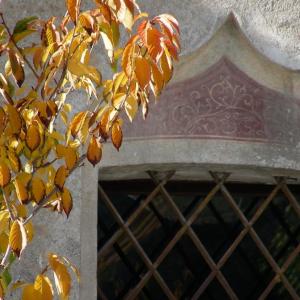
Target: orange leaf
[
  {"x": 60, "y": 177},
  {"x": 16, "y": 67},
  {"x": 154, "y": 43},
  {"x": 77, "y": 122},
  {"x": 14, "y": 119},
  {"x": 4, "y": 174},
  {"x": 33, "y": 138},
  {"x": 70, "y": 155},
  {"x": 67, "y": 201},
  {"x": 166, "y": 69},
  {"x": 21, "y": 191},
  {"x": 94, "y": 152},
  {"x": 38, "y": 189},
  {"x": 116, "y": 135},
  {"x": 142, "y": 72},
  {"x": 3, "y": 120},
  {"x": 73, "y": 9},
  {"x": 158, "y": 79}
]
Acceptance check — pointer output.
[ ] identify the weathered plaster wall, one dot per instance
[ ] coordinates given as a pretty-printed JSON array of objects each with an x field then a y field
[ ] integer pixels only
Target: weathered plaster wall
[
  {"x": 272, "y": 25},
  {"x": 273, "y": 28}
]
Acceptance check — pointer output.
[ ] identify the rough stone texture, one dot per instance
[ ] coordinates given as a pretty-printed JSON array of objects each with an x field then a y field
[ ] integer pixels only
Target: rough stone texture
[{"x": 272, "y": 26}]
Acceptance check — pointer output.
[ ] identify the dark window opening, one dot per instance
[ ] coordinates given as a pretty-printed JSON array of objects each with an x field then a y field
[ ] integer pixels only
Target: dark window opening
[{"x": 160, "y": 239}]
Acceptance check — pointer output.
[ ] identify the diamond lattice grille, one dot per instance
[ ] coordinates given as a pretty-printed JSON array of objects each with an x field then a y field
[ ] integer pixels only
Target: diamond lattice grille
[{"x": 160, "y": 239}]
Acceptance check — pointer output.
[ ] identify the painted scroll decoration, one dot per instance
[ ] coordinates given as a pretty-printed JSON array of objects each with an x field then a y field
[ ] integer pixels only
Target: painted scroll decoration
[{"x": 221, "y": 103}]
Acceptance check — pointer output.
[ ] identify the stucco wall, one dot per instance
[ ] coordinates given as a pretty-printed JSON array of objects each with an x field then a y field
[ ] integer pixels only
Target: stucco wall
[{"x": 273, "y": 28}]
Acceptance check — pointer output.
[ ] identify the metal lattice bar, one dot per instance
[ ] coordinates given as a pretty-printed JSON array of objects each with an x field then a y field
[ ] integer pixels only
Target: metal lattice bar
[
  {"x": 138, "y": 247},
  {"x": 255, "y": 237},
  {"x": 186, "y": 228},
  {"x": 134, "y": 215},
  {"x": 276, "y": 278},
  {"x": 178, "y": 235},
  {"x": 196, "y": 240}
]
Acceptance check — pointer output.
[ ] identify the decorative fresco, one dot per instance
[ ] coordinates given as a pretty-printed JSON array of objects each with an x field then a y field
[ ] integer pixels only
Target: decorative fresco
[{"x": 225, "y": 103}]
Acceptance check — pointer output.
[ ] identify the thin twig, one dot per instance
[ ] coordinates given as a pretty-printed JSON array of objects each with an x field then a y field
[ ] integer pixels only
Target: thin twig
[
  {"x": 5, "y": 257},
  {"x": 11, "y": 215}
]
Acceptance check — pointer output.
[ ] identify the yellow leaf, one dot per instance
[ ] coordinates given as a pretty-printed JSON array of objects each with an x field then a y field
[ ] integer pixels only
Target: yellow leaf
[
  {"x": 4, "y": 174},
  {"x": 166, "y": 69},
  {"x": 79, "y": 69},
  {"x": 29, "y": 293},
  {"x": 14, "y": 160},
  {"x": 21, "y": 191},
  {"x": 29, "y": 231},
  {"x": 67, "y": 201},
  {"x": 1, "y": 292},
  {"x": 37, "y": 57},
  {"x": 38, "y": 189},
  {"x": 3, "y": 242},
  {"x": 116, "y": 135},
  {"x": 16, "y": 67},
  {"x": 131, "y": 107},
  {"x": 60, "y": 177},
  {"x": 17, "y": 237},
  {"x": 61, "y": 276},
  {"x": 33, "y": 138},
  {"x": 22, "y": 211},
  {"x": 94, "y": 152},
  {"x": 43, "y": 287},
  {"x": 73, "y": 9},
  {"x": 142, "y": 72},
  {"x": 2, "y": 120},
  {"x": 70, "y": 155},
  {"x": 14, "y": 119},
  {"x": 4, "y": 220},
  {"x": 77, "y": 122},
  {"x": 158, "y": 80}
]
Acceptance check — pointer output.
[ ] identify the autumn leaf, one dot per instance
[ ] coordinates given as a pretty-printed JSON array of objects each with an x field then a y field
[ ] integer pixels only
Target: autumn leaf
[
  {"x": 77, "y": 122},
  {"x": 14, "y": 119},
  {"x": 94, "y": 152},
  {"x": 142, "y": 71},
  {"x": 61, "y": 276},
  {"x": 33, "y": 138},
  {"x": 1, "y": 292},
  {"x": 30, "y": 293},
  {"x": 21, "y": 191},
  {"x": 70, "y": 156},
  {"x": 38, "y": 189},
  {"x": 43, "y": 287},
  {"x": 67, "y": 201},
  {"x": 60, "y": 177},
  {"x": 3, "y": 120},
  {"x": 116, "y": 135},
  {"x": 131, "y": 107},
  {"x": 14, "y": 161},
  {"x": 4, "y": 174},
  {"x": 29, "y": 231},
  {"x": 166, "y": 69},
  {"x": 17, "y": 237},
  {"x": 16, "y": 67},
  {"x": 79, "y": 69},
  {"x": 73, "y": 9}
]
